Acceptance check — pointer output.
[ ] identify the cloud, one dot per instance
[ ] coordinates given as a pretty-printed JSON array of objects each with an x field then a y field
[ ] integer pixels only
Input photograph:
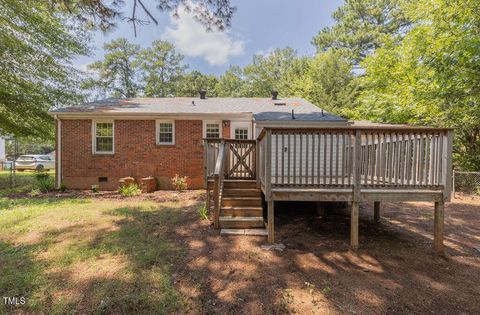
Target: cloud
[{"x": 191, "y": 39}]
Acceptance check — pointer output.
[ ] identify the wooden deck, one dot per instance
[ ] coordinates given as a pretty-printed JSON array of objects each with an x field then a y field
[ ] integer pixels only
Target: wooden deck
[{"x": 352, "y": 164}]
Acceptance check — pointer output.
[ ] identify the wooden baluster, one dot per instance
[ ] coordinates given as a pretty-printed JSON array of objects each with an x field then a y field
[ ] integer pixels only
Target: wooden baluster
[
  {"x": 402, "y": 159},
  {"x": 325, "y": 158},
  {"x": 350, "y": 158},
  {"x": 344, "y": 164},
  {"x": 440, "y": 158},
  {"x": 336, "y": 158},
  {"x": 319, "y": 137},
  {"x": 421, "y": 163},
  {"x": 330, "y": 181},
  {"x": 384, "y": 158},
  {"x": 300, "y": 157},
  {"x": 283, "y": 158},
  {"x": 378, "y": 159},
  {"x": 306, "y": 158},
  {"x": 313, "y": 159},
  {"x": 294, "y": 158}
]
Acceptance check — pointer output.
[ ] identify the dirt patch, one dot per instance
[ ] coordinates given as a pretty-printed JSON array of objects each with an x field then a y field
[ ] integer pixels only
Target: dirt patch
[
  {"x": 159, "y": 196},
  {"x": 395, "y": 271}
]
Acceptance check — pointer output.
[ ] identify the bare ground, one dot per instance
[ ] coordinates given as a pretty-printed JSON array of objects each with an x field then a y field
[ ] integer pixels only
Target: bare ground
[{"x": 394, "y": 272}]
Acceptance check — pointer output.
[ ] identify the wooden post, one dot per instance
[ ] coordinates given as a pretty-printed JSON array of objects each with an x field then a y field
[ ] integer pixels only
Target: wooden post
[
  {"x": 268, "y": 165},
  {"x": 376, "y": 211},
  {"x": 216, "y": 192},
  {"x": 354, "y": 226},
  {"x": 356, "y": 190},
  {"x": 257, "y": 163},
  {"x": 448, "y": 167},
  {"x": 205, "y": 162},
  {"x": 438, "y": 226},
  {"x": 270, "y": 217}
]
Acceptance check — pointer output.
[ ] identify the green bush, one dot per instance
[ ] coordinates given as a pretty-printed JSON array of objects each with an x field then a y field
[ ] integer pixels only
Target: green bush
[
  {"x": 129, "y": 190},
  {"x": 203, "y": 211},
  {"x": 180, "y": 182},
  {"x": 34, "y": 192},
  {"x": 62, "y": 187},
  {"x": 45, "y": 182},
  {"x": 95, "y": 189}
]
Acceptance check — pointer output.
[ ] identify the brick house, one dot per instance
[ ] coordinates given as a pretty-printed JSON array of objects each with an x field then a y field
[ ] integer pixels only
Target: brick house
[{"x": 103, "y": 141}]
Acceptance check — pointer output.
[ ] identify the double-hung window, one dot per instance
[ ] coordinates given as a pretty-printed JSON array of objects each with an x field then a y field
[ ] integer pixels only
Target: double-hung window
[
  {"x": 241, "y": 133},
  {"x": 165, "y": 132},
  {"x": 103, "y": 137},
  {"x": 212, "y": 129}
]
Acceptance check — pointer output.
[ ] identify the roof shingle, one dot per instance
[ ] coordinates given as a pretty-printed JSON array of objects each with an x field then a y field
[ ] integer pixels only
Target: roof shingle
[{"x": 262, "y": 108}]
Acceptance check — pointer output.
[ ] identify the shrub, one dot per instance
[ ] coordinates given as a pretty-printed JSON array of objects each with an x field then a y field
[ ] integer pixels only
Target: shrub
[
  {"x": 34, "y": 192},
  {"x": 129, "y": 190},
  {"x": 180, "y": 182},
  {"x": 203, "y": 211},
  {"x": 95, "y": 189},
  {"x": 41, "y": 176},
  {"x": 45, "y": 182},
  {"x": 62, "y": 187}
]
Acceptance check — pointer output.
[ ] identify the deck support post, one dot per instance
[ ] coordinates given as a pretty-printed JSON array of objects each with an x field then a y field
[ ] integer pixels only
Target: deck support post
[
  {"x": 438, "y": 226},
  {"x": 270, "y": 225},
  {"x": 357, "y": 162},
  {"x": 376, "y": 211},
  {"x": 354, "y": 226}
]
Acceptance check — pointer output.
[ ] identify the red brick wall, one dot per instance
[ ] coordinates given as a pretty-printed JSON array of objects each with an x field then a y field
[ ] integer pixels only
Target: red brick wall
[{"x": 136, "y": 154}]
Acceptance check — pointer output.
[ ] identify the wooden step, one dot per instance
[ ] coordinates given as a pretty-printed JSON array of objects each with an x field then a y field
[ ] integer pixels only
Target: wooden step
[
  {"x": 245, "y": 184},
  {"x": 242, "y": 201},
  {"x": 241, "y": 222},
  {"x": 241, "y": 211},
  {"x": 241, "y": 192},
  {"x": 259, "y": 232}
]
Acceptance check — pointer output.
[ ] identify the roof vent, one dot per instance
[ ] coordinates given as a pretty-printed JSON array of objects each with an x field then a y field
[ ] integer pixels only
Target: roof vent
[
  {"x": 274, "y": 95},
  {"x": 203, "y": 94}
]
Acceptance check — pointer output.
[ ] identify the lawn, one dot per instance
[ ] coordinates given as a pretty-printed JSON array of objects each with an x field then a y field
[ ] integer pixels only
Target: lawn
[
  {"x": 88, "y": 255},
  {"x": 79, "y": 252},
  {"x": 24, "y": 182}
]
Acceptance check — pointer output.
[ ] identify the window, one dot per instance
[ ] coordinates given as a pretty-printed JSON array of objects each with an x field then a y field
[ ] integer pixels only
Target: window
[
  {"x": 212, "y": 129},
  {"x": 103, "y": 137},
  {"x": 165, "y": 132},
  {"x": 241, "y": 133}
]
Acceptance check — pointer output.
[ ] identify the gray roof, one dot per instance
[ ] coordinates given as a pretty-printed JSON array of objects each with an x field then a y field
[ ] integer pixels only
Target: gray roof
[{"x": 263, "y": 109}]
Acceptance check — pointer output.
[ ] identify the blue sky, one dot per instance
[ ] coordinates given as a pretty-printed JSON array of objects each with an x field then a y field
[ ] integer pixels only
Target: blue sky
[{"x": 258, "y": 26}]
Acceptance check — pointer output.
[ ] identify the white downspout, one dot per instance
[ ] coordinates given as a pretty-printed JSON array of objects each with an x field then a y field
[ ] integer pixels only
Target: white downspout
[{"x": 59, "y": 151}]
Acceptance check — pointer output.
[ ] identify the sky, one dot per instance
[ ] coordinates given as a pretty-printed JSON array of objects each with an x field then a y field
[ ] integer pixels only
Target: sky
[{"x": 257, "y": 27}]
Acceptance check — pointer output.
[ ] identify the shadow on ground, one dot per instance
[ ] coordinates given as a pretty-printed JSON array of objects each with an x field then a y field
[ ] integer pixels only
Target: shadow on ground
[{"x": 164, "y": 259}]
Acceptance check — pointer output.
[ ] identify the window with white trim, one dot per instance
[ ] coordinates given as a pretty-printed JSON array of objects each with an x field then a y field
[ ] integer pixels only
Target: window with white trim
[
  {"x": 213, "y": 130},
  {"x": 103, "y": 140},
  {"x": 241, "y": 133},
  {"x": 165, "y": 132}
]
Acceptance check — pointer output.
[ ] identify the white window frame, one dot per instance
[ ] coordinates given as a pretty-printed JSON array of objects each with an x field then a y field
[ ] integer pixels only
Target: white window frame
[
  {"x": 218, "y": 122},
  {"x": 241, "y": 124},
  {"x": 157, "y": 131},
  {"x": 240, "y": 128},
  {"x": 94, "y": 136}
]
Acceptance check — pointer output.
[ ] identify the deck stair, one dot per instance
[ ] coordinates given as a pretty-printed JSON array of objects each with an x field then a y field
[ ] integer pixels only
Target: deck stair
[{"x": 241, "y": 210}]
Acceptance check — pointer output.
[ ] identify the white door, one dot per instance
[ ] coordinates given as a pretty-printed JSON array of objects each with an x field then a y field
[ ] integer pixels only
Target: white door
[{"x": 241, "y": 130}]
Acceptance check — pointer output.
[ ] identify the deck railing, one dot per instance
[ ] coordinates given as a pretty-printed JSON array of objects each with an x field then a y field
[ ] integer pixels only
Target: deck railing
[
  {"x": 240, "y": 158},
  {"x": 369, "y": 157}
]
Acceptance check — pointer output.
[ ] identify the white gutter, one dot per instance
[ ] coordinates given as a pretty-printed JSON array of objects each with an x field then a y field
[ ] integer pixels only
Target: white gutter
[{"x": 59, "y": 151}]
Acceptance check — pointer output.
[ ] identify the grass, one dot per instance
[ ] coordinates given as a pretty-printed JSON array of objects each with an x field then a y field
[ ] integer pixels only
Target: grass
[
  {"x": 88, "y": 255},
  {"x": 25, "y": 182}
]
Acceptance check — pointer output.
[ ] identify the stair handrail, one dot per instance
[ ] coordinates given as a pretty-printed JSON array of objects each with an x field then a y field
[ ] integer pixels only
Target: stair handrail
[{"x": 218, "y": 179}]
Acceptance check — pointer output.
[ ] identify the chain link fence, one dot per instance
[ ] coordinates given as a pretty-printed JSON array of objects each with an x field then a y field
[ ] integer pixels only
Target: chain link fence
[
  {"x": 7, "y": 179},
  {"x": 467, "y": 183}
]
